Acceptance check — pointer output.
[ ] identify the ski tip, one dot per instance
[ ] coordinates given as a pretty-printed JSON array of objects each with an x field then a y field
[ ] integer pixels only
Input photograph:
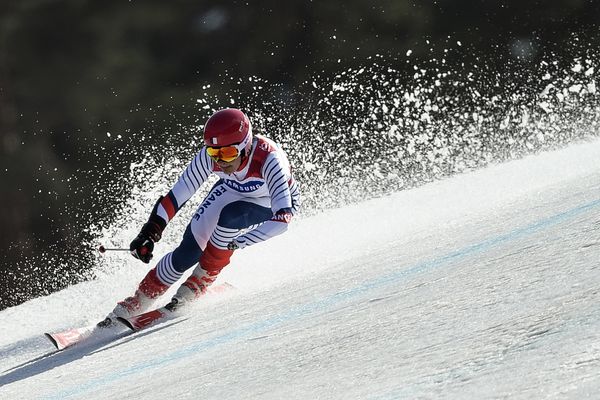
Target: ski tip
[
  {"x": 221, "y": 288},
  {"x": 52, "y": 339}
]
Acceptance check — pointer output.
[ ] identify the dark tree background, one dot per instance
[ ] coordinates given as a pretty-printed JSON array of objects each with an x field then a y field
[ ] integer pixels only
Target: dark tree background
[{"x": 73, "y": 72}]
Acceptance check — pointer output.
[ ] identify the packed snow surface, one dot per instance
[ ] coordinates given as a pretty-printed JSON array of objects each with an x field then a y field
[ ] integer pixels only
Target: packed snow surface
[{"x": 484, "y": 285}]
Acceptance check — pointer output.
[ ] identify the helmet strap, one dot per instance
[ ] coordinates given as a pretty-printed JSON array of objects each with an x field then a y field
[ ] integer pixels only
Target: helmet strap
[{"x": 245, "y": 160}]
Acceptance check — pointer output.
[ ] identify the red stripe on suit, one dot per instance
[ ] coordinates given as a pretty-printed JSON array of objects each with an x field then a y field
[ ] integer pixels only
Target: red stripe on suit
[{"x": 168, "y": 206}]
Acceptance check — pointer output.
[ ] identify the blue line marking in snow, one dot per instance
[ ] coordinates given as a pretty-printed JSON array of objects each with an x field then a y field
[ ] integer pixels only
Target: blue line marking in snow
[{"x": 325, "y": 303}]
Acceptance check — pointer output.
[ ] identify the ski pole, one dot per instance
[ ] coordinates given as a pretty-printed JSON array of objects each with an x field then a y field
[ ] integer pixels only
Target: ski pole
[{"x": 103, "y": 249}]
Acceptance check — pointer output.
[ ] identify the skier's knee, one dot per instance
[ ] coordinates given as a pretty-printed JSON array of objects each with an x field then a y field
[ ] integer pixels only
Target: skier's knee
[{"x": 187, "y": 253}]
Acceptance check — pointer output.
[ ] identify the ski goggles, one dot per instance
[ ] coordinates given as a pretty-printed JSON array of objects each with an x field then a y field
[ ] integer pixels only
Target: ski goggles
[{"x": 225, "y": 153}]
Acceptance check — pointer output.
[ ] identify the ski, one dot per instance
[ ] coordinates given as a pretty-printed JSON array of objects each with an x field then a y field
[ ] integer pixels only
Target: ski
[
  {"x": 146, "y": 319},
  {"x": 161, "y": 314},
  {"x": 73, "y": 336},
  {"x": 64, "y": 339},
  {"x": 70, "y": 337}
]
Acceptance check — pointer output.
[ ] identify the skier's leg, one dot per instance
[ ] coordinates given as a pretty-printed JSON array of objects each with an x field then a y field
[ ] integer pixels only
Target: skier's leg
[
  {"x": 212, "y": 261},
  {"x": 201, "y": 227},
  {"x": 156, "y": 282},
  {"x": 233, "y": 218}
]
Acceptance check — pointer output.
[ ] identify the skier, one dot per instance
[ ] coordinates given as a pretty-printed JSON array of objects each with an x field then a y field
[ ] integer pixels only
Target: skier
[{"x": 254, "y": 200}]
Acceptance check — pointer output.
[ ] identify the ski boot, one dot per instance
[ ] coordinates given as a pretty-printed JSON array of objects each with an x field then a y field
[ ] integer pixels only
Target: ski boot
[
  {"x": 149, "y": 289},
  {"x": 194, "y": 287}
]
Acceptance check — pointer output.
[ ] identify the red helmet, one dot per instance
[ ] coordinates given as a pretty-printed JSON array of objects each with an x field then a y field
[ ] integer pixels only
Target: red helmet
[{"x": 227, "y": 127}]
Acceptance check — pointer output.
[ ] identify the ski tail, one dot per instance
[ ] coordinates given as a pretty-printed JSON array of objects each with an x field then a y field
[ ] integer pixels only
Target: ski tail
[
  {"x": 70, "y": 337},
  {"x": 54, "y": 340}
]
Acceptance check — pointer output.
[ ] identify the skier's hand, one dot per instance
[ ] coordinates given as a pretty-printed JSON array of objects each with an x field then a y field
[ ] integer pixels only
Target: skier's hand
[
  {"x": 142, "y": 246},
  {"x": 236, "y": 244}
]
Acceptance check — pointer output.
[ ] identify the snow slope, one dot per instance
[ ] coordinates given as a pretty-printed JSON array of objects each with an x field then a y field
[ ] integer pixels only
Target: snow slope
[{"x": 485, "y": 285}]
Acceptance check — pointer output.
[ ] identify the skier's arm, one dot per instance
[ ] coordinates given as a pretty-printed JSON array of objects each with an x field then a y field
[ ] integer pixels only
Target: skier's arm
[
  {"x": 167, "y": 206},
  {"x": 284, "y": 201},
  {"x": 196, "y": 173}
]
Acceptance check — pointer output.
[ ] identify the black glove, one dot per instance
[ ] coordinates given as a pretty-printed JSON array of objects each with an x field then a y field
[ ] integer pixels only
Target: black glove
[
  {"x": 233, "y": 245},
  {"x": 142, "y": 246}
]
